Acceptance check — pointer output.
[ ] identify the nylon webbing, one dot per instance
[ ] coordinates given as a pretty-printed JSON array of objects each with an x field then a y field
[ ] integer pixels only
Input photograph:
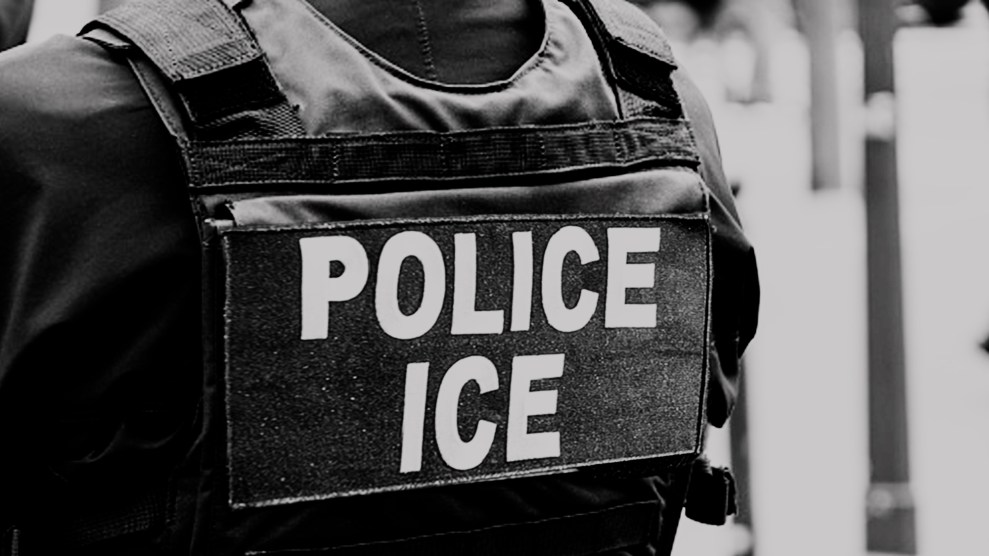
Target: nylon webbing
[
  {"x": 442, "y": 155},
  {"x": 217, "y": 67}
]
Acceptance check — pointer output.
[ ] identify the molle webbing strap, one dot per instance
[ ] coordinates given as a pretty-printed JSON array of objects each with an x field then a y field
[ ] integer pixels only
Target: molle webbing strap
[
  {"x": 215, "y": 64},
  {"x": 441, "y": 155},
  {"x": 633, "y": 51}
]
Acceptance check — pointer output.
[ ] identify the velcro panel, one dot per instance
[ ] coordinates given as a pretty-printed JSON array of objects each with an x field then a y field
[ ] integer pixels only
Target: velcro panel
[
  {"x": 238, "y": 88},
  {"x": 388, "y": 355}
]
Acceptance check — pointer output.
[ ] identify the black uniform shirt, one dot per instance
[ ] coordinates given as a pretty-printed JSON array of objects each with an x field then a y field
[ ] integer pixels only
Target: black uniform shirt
[{"x": 99, "y": 345}]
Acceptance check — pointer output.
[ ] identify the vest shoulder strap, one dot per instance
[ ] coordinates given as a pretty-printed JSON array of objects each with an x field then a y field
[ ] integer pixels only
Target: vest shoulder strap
[
  {"x": 631, "y": 28},
  {"x": 217, "y": 69},
  {"x": 635, "y": 53}
]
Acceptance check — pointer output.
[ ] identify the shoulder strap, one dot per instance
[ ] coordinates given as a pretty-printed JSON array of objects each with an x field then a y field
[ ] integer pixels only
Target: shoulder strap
[
  {"x": 223, "y": 143},
  {"x": 635, "y": 54},
  {"x": 213, "y": 62},
  {"x": 630, "y": 28},
  {"x": 217, "y": 69}
]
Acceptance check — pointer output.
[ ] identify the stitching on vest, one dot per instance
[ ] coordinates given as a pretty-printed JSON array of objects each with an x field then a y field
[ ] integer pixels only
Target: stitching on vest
[{"x": 425, "y": 46}]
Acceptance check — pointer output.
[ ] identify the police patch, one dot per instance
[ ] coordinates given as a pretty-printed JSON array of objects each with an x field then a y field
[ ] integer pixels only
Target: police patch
[{"x": 374, "y": 356}]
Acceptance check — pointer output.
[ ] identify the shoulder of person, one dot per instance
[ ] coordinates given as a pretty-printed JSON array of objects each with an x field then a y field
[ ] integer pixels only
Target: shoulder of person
[
  {"x": 62, "y": 81},
  {"x": 69, "y": 105}
]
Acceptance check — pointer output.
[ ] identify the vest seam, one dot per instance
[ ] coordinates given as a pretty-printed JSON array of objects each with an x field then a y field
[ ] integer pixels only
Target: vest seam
[{"x": 425, "y": 45}]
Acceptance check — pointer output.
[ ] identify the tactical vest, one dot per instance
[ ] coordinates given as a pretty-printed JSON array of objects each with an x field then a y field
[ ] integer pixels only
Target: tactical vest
[{"x": 434, "y": 322}]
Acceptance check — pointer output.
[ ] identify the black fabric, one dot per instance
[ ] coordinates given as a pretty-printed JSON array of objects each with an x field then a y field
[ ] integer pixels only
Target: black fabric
[
  {"x": 634, "y": 52},
  {"x": 189, "y": 40},
  {"x": 439, "y": 156},
  {"x": 626, "y": 25},
  {"x": 144, "y": 512},
  {"x": 736, "y": 284},
  {"x": 230, "y": 166},
  {"x": 216, "y": 65},
  {"x": 237, "y": 88},
  {"x": 450, "y": 42},
  {"x": 186, "y": 39},
  {"x": 599, "y": 532},
  {"x": 99, "y": 340},
  {"x": 639, "y": 74},
  {"x": 711, "y": 496}
]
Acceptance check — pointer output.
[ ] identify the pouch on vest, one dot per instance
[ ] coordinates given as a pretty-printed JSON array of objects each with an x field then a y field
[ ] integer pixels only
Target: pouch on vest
[{"x": 416, "y": 318}]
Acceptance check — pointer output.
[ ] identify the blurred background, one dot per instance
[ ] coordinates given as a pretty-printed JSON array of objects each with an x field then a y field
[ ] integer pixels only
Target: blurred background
[{"x": 857, "y": 134}]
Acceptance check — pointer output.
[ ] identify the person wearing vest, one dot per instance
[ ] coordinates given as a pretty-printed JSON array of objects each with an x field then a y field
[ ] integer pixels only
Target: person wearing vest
[{"x": 114, "y": 431}]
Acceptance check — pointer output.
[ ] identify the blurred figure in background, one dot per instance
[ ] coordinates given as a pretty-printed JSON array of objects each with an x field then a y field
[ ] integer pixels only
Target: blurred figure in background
[{"x": 15, "y": 16}]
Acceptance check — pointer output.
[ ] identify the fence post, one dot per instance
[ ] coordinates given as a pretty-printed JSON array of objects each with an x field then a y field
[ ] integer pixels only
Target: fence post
[{"x": 890, "y": 525}]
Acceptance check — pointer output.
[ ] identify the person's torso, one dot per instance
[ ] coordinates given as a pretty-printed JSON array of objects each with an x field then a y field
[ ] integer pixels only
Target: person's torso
[{"x": 343, "y": 87}]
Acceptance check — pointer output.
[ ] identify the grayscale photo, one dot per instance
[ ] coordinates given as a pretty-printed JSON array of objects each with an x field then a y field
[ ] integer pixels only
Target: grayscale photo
[{"x": 494, "y": 277}]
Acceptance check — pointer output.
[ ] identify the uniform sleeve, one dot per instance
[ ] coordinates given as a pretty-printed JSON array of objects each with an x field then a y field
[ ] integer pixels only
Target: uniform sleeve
[
  {"x": 735, "y": 303},
  {"x": 100, "y": 283}
]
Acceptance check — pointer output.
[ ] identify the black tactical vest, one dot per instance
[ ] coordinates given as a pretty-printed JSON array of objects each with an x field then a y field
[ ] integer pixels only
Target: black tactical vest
[{"x": 436, "y": 320}]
